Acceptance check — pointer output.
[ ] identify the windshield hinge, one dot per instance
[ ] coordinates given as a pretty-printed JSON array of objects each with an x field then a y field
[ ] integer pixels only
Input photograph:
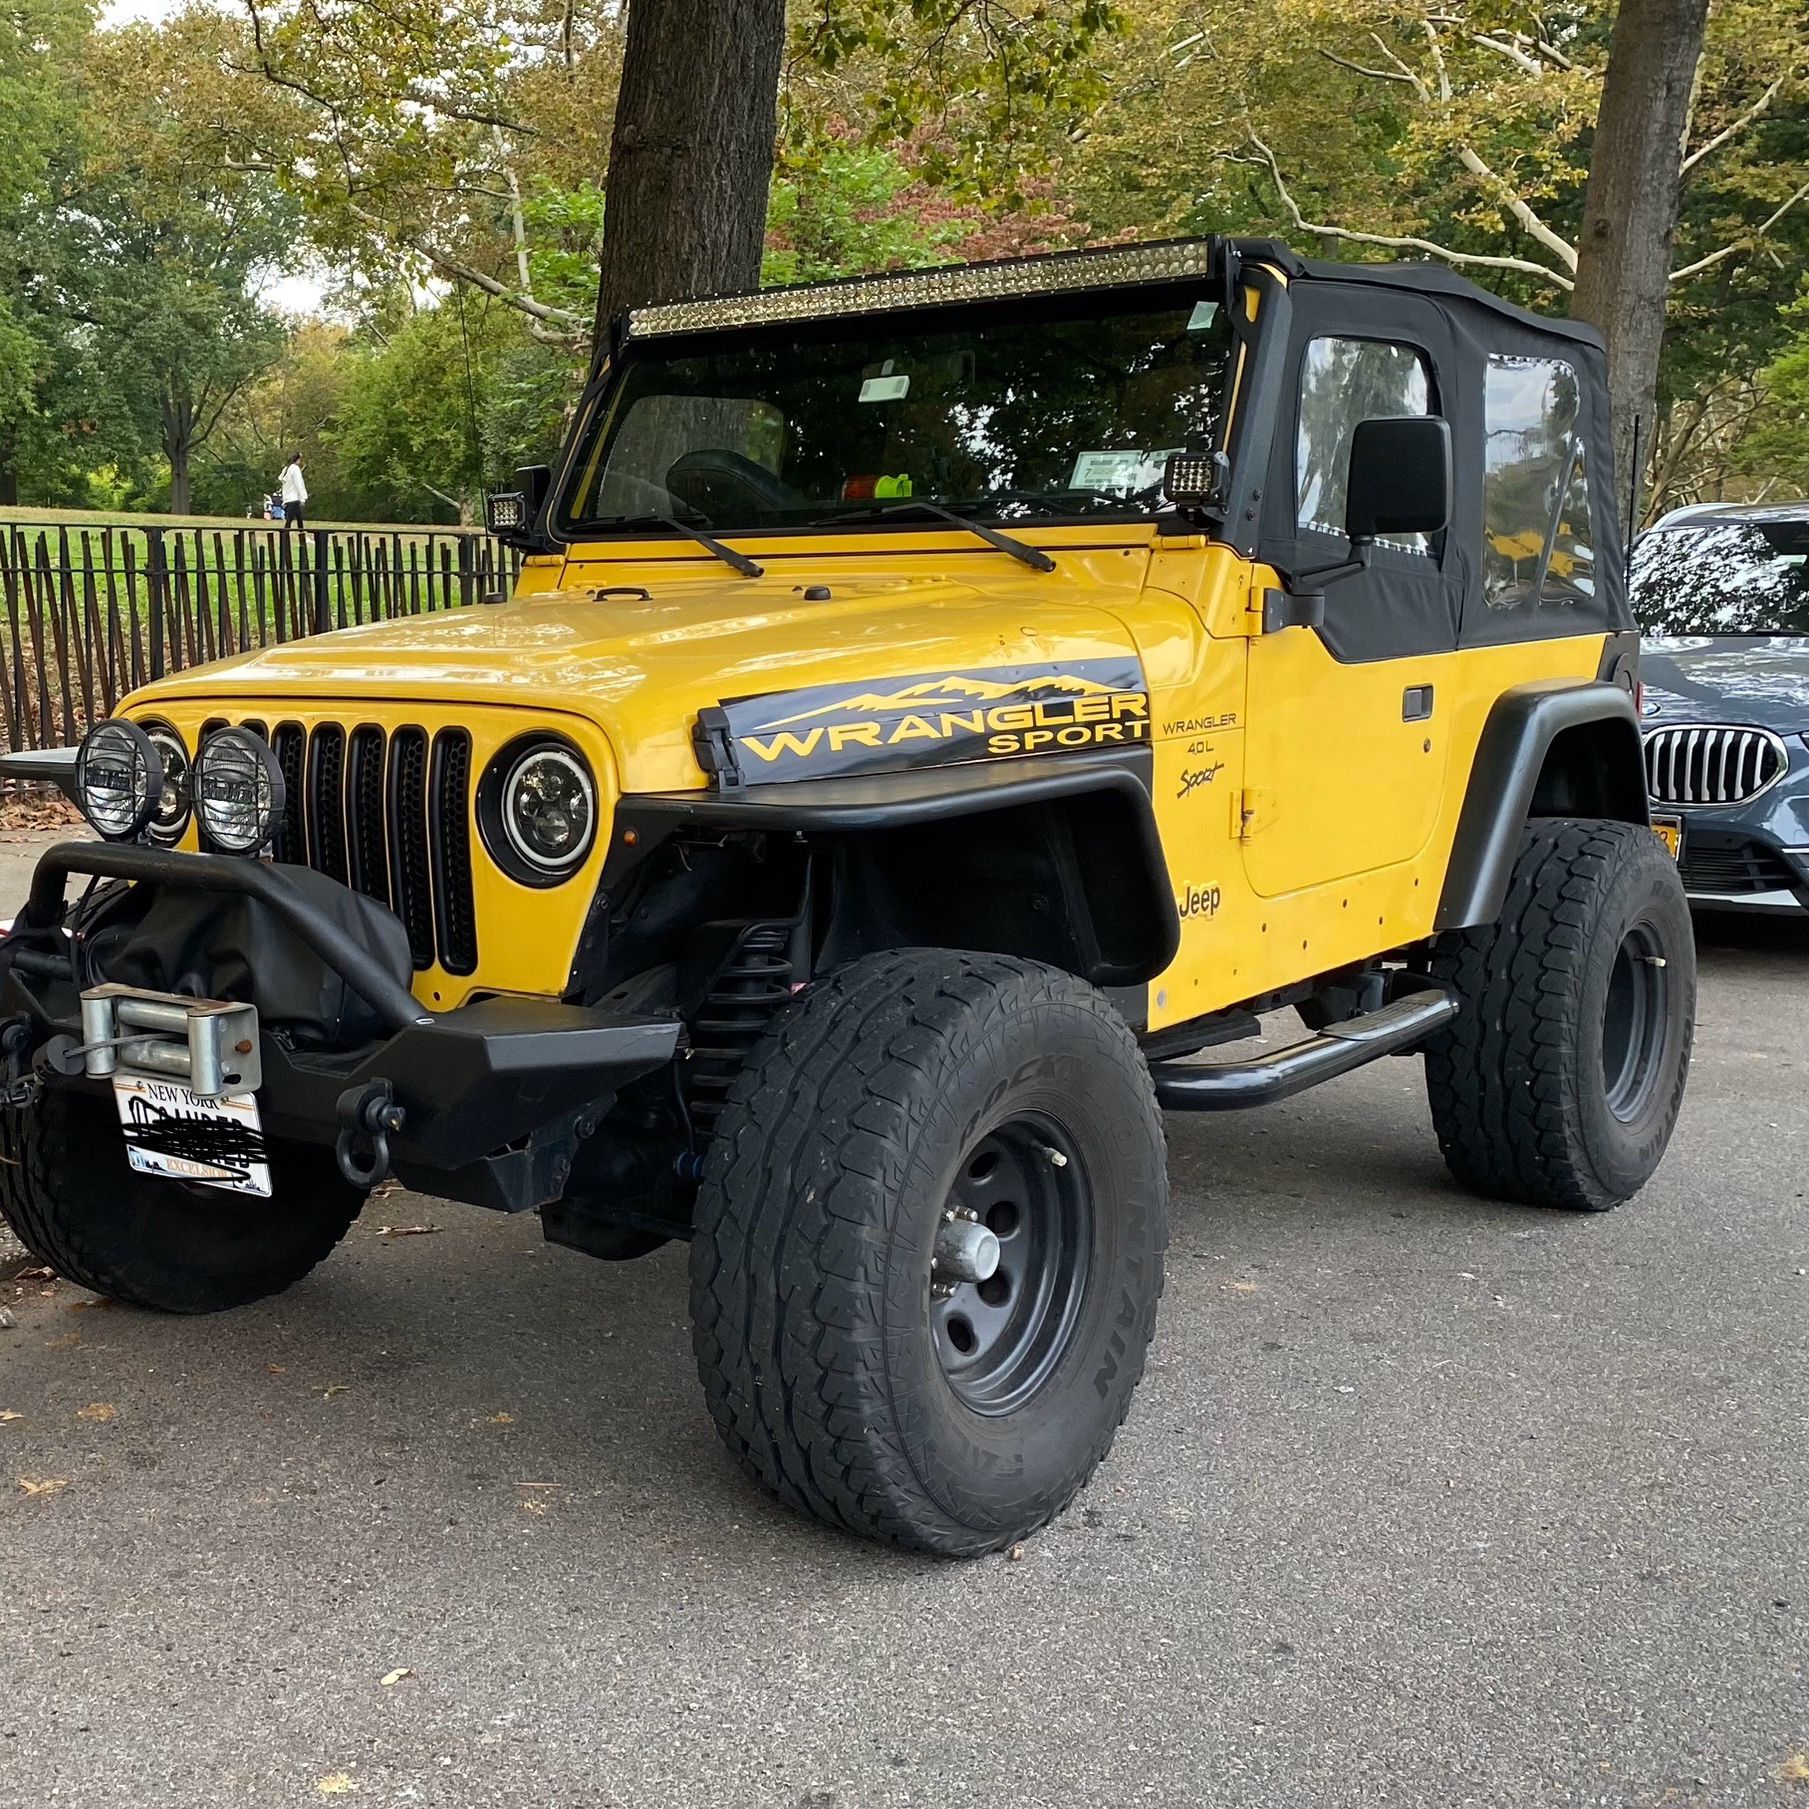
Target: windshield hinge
[{"x": 714, "y": 743}]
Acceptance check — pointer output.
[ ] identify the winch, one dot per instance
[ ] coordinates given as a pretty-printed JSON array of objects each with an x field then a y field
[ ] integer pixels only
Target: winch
[{"x": 209, "y": 1045}]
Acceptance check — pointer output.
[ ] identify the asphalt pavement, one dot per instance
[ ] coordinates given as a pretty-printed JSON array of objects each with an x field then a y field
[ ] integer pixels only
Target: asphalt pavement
[{"x": 1424, "y": 1502}]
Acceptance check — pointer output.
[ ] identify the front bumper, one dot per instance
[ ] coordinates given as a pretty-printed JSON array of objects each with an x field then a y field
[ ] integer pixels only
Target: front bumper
[
  {"x": 495, "y": 1095},
  {"x": 1727, "y": 867}
]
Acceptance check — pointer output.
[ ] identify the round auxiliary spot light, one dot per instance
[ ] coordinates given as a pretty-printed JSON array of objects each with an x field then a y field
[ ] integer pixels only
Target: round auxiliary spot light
[
  {"x": 118, "y": 774},
  {"x": 238, "y": 791}
]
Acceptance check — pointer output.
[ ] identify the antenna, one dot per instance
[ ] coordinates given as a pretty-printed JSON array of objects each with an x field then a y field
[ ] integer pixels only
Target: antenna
[{"x": 1633, "y": 482}]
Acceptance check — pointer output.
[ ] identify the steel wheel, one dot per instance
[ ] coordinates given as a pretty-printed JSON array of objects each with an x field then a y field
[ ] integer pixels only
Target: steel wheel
[
  {"x": 1633, "y": 1027},
  {"x": 1010, "y": 1270}
]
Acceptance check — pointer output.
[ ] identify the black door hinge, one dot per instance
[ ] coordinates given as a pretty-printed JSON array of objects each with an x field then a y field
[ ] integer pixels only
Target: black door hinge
[
  {"x": 714, "y": 743},
  {"x": 1285, "y": 609}
]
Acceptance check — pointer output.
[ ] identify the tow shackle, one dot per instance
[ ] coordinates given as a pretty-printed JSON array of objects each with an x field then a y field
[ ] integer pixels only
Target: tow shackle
[{"x": 368, "y": 1115}]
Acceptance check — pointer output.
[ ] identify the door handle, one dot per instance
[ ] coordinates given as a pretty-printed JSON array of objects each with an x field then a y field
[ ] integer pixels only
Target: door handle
[{"x": 1416, "y": 703}]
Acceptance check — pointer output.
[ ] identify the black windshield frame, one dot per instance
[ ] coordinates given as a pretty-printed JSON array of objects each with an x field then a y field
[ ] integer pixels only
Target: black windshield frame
[{"x": 570, "y": 520}]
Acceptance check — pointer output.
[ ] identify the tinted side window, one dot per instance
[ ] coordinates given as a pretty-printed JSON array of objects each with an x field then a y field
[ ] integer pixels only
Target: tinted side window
[
  {"x": 1735, "y": 577},
  {"x": 1537, "y": 537},
  {"x": 1342, "y": 382}
]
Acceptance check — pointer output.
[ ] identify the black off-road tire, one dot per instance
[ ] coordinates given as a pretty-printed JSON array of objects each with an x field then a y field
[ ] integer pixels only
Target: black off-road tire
[
  {"x": 822, "y": 1358},
  {"x": 76, "y": 1204},
  {"x": 1560, "y": 1082}
]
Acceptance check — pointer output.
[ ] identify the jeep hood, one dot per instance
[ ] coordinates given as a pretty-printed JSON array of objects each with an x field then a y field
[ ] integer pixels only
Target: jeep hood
[{"x": 641, "y": 664}]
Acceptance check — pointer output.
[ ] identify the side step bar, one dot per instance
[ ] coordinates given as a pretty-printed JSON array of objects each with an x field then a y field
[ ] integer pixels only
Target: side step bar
[{"x": 1233, "y": 1086}]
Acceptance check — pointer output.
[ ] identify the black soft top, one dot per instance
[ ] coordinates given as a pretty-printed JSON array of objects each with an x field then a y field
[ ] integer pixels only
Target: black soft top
[{"x": 1418, "y": 276}]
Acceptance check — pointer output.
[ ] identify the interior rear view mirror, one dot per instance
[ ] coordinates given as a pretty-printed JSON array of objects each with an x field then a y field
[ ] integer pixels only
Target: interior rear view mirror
[{"x": 1400, "y": 477}]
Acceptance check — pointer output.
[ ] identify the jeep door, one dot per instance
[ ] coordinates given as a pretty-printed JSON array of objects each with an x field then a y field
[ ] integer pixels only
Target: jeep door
[{"x": 1344, "y": 761}]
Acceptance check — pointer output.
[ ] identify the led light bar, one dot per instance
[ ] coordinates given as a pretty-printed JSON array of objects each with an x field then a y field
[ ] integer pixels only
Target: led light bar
[{"x": 1106, "y": 267}]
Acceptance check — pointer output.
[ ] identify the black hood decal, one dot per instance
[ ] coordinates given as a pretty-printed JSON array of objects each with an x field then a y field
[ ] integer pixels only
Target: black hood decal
[{"x": 936, "y": 718}]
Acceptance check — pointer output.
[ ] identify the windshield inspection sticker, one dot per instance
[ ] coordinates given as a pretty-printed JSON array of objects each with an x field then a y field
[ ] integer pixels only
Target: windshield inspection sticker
[
  {"x": 1125, "y": 471},
  {"x": 937, "y": 718}
]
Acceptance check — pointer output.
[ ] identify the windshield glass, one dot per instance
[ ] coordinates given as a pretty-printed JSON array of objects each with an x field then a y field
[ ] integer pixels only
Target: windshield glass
[
  {"x": 1068, "y": 409},
  {"x": 1742, "y": 577}
]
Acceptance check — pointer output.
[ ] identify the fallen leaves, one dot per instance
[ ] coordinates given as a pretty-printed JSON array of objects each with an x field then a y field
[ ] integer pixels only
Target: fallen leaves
[
  {"x": 407, "y": 1230},
  {"x": 21, "y": 811},
  {"x": 9, "y": 1416},
  {"x": 1241, "y": 1287},
  {"x": 337, "y": 1783},
  {"x": 396, "y": 1676},
  {"x": 43, "y": 1485},
  {"x": 1795, "y": 1769},
  {"x": 498, "y": 1419},
  {"x": 333, "y": 1388},
  {"x": 97, "y": 1413}
]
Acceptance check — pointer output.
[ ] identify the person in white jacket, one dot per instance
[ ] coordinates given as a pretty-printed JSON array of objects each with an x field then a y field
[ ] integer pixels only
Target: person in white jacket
[{"x": 295, "y": 493}]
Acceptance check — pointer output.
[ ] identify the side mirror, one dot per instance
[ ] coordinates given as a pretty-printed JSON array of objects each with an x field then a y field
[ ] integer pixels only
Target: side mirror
[
  {"x": 511, "y": 515},
  {"x": 1400, "y": 477}
]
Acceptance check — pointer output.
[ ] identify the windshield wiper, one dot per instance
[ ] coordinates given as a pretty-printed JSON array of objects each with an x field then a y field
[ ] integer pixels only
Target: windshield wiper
[
  {"x": 747, "y": 567},
  {"x": 1034, "y": 557}
]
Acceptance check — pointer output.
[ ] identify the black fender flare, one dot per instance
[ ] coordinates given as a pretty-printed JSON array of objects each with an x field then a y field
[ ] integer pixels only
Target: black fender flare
[
  {"x": 879, "y": 801},
  {"x": 1524, "y": 724}
]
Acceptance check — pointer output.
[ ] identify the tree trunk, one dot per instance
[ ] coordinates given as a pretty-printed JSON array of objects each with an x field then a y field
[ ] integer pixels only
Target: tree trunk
[
  {"x": 177, "y": 415},
  {"x": 1630, "y": 209},
  {"x": 691, "y": 159},
  {"x": 179, "y": 486}
]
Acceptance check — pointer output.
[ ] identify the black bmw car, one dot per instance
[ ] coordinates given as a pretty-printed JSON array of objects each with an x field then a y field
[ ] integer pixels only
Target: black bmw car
[{"x": 1722, "y": 593}]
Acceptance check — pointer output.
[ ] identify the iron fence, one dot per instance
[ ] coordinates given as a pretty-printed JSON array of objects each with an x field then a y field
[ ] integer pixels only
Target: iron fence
[{"x": 92, "y": 613}]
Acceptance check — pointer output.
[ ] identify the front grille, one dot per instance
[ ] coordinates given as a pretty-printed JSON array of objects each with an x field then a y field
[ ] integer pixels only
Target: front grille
[
  {"x": 454, "y": 913},
  {"x": 1712, "y": 765},
  {"x": 389, "y": 815},
  {"x": 1736, "y": 870}
]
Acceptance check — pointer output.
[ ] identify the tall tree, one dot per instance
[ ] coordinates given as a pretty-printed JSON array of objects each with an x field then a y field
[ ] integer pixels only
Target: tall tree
[
  {"x": 175, "y": 249},
  {"x": 40, "y": 51},
  {"x": 1623, "y": 264},
  {"x": 691, "y": 158}
]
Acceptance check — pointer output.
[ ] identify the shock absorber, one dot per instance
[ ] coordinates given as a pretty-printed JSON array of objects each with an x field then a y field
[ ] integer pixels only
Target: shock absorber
[{"x": 754, "y": 983}]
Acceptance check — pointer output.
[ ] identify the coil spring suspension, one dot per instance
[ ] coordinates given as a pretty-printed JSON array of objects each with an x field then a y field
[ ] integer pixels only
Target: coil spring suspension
[{"x": 755, "y": 984}]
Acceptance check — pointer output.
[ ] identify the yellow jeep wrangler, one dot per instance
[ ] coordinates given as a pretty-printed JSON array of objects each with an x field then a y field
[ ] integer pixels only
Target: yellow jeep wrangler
[{"x": 935, "y": 708}]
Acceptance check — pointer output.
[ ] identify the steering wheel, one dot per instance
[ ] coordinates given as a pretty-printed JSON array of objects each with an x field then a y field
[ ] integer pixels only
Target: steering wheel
[{"x": 715, "y": 482}]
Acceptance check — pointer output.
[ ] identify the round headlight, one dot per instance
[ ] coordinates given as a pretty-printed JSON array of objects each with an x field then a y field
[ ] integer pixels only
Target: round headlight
[
  {"x": 546, "y": 807},
  {"x": 238, "y": 791},
  {"x": 116, "y": 776},
  {"x": 170, "y": 817}
]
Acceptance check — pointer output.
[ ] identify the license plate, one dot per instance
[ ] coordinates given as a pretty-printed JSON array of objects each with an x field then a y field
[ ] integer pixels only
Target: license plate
[
  {"x": 172, "y": 1132},
  {"x": 1669, "y": 830}
]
